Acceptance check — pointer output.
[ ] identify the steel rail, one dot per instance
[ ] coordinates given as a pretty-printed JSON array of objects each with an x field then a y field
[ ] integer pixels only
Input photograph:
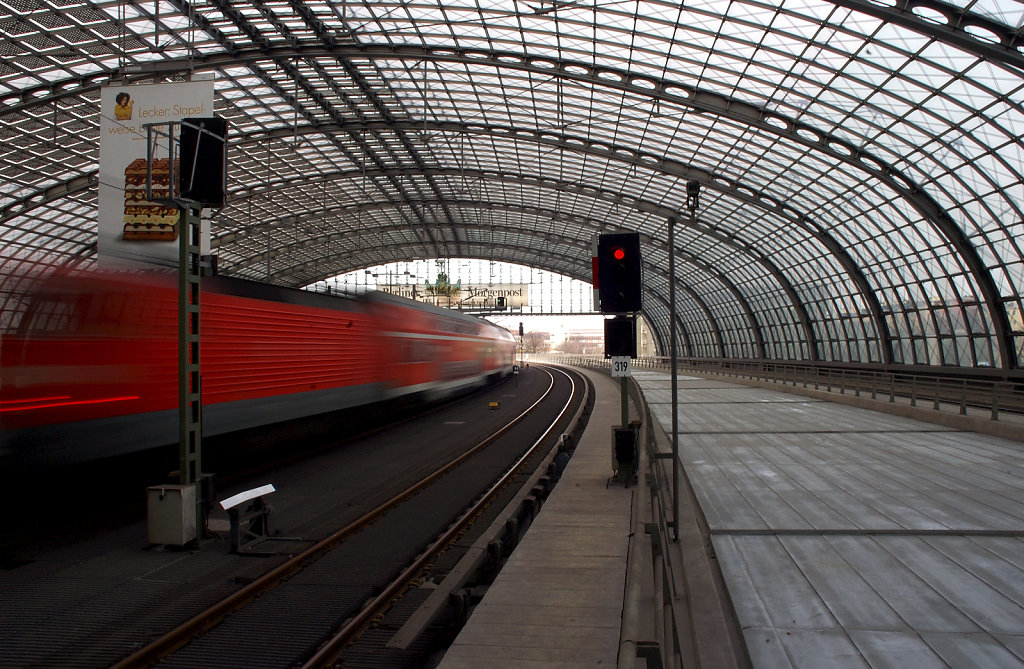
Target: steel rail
[
  {"x": 333, "y": 648},
  {"x": 213, "y": 616}
]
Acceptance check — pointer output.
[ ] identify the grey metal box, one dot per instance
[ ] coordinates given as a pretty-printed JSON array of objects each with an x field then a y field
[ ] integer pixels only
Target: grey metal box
[{"x": 171, "y": 512}]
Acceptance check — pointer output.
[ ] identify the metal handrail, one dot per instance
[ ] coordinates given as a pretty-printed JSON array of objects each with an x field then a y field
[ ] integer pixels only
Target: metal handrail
[{"x": 933, "y": 390}]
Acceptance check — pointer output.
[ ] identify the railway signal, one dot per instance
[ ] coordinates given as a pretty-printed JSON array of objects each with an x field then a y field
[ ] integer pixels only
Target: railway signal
[
  {"x": 617, "y": 278},
  {"x": 620, "y": 337},
  {"x": 619, "y": 272}
]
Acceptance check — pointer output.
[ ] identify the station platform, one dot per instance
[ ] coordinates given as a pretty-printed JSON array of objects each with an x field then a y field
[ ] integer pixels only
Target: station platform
[
  {"x": 844, "y": 538},
  {"x": 852, "y": 538},
  {"x": 558, "y": 600}
]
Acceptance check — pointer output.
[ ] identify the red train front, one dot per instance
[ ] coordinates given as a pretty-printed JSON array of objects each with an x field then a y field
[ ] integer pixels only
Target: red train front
[{"x": 91, "y": 370}]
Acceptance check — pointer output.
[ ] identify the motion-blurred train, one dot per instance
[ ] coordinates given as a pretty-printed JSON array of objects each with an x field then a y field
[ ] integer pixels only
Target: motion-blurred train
[{"x": 91, "y": 370}]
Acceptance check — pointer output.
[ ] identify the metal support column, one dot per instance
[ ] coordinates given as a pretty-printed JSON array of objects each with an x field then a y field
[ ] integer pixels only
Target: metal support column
[
  {"x": 674, "y": 354},
  {"x": 190, "y": 432},
  {"x": 692, "y": 204},
  {"x": 177, "y": 513}
]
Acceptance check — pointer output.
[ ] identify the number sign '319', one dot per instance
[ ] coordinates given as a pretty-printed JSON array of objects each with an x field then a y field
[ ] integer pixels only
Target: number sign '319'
[{"x": 620, "y": 366}]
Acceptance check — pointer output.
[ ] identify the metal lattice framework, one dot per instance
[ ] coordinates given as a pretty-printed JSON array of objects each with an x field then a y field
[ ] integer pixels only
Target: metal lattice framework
[{"x": 861, "y": 161}]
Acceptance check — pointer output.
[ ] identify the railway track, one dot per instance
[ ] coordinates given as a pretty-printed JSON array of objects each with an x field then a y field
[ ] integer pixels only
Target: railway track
[
  {"x": 310, "y": 610},
  {"x": 112, "y": 485}
]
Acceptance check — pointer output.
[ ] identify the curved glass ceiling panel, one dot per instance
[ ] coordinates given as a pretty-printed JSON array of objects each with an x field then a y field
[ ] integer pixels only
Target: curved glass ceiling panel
[{"x": 848, "y": 159}]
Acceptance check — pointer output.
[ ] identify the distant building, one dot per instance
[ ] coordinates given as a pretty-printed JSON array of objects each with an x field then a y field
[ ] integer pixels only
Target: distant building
[{"x": 587, "y": 341}]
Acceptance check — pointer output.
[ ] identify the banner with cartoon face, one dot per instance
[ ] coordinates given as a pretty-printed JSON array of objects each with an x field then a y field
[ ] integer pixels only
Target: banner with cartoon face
[{"x": 136, "y": 230}]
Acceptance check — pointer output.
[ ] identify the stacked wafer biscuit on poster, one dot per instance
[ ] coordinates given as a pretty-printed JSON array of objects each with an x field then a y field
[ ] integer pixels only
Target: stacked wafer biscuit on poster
[{"x": 143, "y": 219}]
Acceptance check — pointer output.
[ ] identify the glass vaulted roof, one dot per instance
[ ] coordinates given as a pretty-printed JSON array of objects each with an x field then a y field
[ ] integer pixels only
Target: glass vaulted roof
[{"x": 860, "y": 161}]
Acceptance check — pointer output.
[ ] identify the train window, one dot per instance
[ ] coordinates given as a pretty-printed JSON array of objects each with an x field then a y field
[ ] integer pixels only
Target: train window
[
  {"x": 456, "y": 326},
  {"x": 408, "y": 350},
  {"x": 52, "y": 313},
  {"x": 425, "y": 350}
]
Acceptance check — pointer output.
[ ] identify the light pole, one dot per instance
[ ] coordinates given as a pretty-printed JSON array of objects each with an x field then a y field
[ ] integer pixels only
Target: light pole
[{"x": 692, "y": 204}]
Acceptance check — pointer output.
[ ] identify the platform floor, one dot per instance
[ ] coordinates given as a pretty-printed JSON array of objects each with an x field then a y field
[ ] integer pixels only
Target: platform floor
[
  {"x": 847, "y": 538},
  {"x": 558, "y": 600},
  {"x": 850, "y": 538}
]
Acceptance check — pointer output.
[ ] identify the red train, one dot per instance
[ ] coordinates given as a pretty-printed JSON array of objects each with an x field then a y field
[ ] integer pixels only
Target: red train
[{"x": 91, "y": 370}]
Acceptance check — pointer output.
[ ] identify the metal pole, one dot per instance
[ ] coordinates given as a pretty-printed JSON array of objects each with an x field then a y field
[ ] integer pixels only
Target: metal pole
[
  {"x": 624, "y": 394},
  {"x": 189, "y": 384},
  {"x": 675, "y": 366}
]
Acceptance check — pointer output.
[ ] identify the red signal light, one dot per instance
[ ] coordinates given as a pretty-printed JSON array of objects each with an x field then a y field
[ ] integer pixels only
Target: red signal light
[{"x": 619, "y": 275}]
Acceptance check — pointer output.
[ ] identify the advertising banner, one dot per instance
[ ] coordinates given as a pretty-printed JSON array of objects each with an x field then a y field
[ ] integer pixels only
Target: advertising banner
[
  {"x": 469, "y": 296},
  {"x": 133, "y": 230}
]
